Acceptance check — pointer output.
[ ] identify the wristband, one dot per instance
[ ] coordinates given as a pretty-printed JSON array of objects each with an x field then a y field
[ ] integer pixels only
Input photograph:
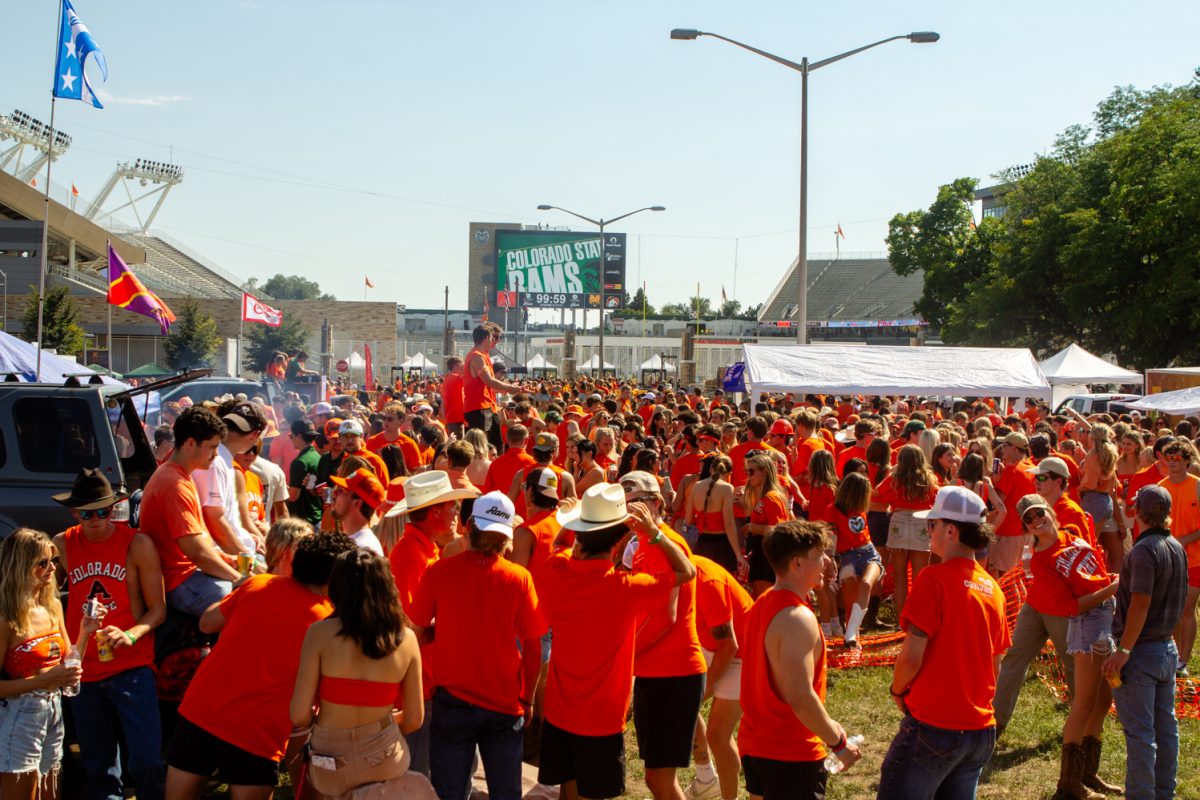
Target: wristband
[
  {"x": 840, "y": 745},
  {"x": 1124, "y": 650},
  {"x": 658, "y": 538},
  {"x": 893, "y": 693},
  {"x": 132, "y": 639}
]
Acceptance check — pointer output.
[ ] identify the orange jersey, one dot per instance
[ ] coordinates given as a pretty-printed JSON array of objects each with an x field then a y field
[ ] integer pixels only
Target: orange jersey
[
  {"x": 171, "y": 510},
  {"x": 677, "y": 652},
  {"x": 1185, "y": 513},
  {"x": 720, "y": 600},
  {"x": 477, "y": 395}
]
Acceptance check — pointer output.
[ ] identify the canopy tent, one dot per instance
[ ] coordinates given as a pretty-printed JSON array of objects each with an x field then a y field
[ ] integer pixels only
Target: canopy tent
[
  {"x": 539, "y": 364},
  {"x": 655, "y": 363},
  {"x": 103, "y": 370},
  {"x": 1180, "y": 402},
  {"x": 149, "y": 371},
  {"x": 419, "y": 361},
  {"x": 593, "y": 364},
  {"x": 355, "y": 361},
  {"x": 1072, "y": 368},
  {"x": 19, "y": 357},
  {"x": 846, "y": 370}
]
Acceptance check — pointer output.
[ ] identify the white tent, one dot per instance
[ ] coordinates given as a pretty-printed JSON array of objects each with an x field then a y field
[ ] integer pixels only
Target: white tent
[
  {"x": 1180, "y": 402},
  {"x": 19, "y": 357},
  {"x": 844, "y": 370},
  {"x": 539, "y": 363},
  {"x": 1071, "y": 369},
  {"x": 592, "y": 364},
  {"x": 655, "y": 363},
  {"x": 419, "y": 361},
  {"x": 356, "y": 361}
]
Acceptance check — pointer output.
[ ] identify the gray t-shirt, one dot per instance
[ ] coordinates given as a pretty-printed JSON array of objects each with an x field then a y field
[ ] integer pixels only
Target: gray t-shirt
[{"x": 1157, "y": 566}]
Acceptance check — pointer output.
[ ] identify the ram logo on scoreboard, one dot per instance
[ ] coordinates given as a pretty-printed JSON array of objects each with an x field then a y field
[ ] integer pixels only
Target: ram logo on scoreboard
[{"x": 560, "y": 269}]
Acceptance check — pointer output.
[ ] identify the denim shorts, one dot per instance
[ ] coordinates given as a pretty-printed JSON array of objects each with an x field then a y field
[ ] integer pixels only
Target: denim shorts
[
  {"x": 1099, "y": 505},
  {"x": 31, "y": 732},
  {"x": 853, "y": 563},
  {"x": 1091, "y": 631}
]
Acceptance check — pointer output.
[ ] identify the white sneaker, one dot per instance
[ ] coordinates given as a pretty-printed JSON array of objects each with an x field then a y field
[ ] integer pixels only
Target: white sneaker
[{"x": 700, "y": 790}]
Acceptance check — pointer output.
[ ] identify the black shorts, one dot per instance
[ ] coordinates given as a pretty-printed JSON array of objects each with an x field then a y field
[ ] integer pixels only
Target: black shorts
[
  {"x": 716, "y": 547},
  {"x": 197, "y": 751},
  {"x": 664, "y": 714},
  {"x": 784, "y": 780},
  {"x": 595, "y": 763},
  {"x": 877, "y": 525},
  {"x": 760, "y": 568}
]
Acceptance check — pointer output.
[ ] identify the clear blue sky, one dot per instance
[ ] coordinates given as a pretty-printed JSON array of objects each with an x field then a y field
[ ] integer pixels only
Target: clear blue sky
[{"x": 337, "y": 140}]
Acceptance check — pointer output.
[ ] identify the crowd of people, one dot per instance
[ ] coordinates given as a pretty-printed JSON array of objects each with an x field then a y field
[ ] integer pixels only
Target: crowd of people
[{"x": 402, "y": 585}]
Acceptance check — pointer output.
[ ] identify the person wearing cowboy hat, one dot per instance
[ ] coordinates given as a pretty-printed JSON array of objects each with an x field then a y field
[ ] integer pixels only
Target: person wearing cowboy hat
[
  {"x": 102, "y": 558},
  {"x": 595, "y": 611},
  {"x": 486, "y": 611},
  {"x": 432, "y": 505}
]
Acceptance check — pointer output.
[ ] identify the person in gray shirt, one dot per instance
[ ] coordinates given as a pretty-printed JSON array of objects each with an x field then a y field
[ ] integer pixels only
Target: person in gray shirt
[{"x": 1150, "y": 601}]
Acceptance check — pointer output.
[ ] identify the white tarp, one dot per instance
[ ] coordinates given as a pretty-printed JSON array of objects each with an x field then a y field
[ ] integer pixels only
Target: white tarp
[
  {"x": 592, "y": 364},
  {"x": 20, "y": 357},
  {"x": 655, "y": 364},
  {"x": 1072, "y": 368},
  {"x": 539, "y": 362},
  {"x": 419, "y": 361},
  {"x": 841, "y": 369},
  {"x": 1180, "y": 402},
  {"x": 355, "y": 361}
]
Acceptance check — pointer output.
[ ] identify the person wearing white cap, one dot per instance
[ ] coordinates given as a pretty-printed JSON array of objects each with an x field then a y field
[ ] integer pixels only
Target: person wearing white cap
[
  {"x": 945, "y": 675},
  {"x": 595, "y": 611},
  {"x": 351, "y": 436},
  {"x": 483, "y": 605}
]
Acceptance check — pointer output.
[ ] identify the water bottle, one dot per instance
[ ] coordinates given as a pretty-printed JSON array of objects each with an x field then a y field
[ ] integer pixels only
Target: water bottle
[
  {"x": 72, "y": 660},
  {"x": 833, "y": 764}
]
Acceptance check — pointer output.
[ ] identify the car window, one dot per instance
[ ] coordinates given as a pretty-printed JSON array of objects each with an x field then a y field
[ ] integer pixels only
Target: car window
[
  {"x": 55, "y": 434},
  {"x": 1077, "y": 404}
]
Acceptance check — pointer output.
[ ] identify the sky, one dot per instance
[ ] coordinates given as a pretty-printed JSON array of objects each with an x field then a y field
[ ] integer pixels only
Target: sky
[{"x": 341, "y": 141}]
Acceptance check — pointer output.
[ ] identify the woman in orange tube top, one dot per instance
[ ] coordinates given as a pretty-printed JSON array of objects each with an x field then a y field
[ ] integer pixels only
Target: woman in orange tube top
[
  {"x": 710, "y": 508},
  {"x": 33, "y": 643},
  {"x": 355, "y": 667}
]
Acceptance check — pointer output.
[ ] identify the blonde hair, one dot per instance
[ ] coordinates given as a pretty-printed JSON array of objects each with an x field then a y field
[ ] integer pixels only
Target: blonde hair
[
  {"x": 388, "y": 531},
  {"x": 765, "y": 464},
  {"x": 821, "y": 470},
  {"x": 1105, "y": 450},
  {"x": 927, "y": 441},
  {"x": 284, "y": 535},
  {"x": 477, "y": 439},
  {"x": 19, "y": 590}
]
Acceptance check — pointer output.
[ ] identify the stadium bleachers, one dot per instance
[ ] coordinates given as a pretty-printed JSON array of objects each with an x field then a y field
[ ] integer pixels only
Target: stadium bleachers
[{"x": 846, "y": 289}]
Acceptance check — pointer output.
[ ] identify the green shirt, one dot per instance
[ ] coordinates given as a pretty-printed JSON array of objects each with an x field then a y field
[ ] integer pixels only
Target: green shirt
[{"x": 307, "y": 505}]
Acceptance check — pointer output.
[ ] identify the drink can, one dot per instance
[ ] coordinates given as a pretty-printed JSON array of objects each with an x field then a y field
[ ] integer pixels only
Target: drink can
[
  {"x": 1114, "y": 679},
  {"x": 91, "y": 608},
  {"x": 104, "y": 649},
  {"x": 245, "y": 564}
]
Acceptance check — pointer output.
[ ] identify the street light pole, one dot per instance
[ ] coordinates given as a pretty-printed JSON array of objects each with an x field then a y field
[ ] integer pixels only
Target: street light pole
[
  {"x": 600, "y": 223},
  {"x": 804, "y": 67}
]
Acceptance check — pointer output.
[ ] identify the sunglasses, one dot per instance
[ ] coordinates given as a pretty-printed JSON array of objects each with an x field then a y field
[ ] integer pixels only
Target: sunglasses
[
  {"x": 102, "y": 513},
  {"x": 1175, "y": 457},
  {"x": 1030, "y": 516},
  {"x": 751, "y": 472},
  {"x": 1044, "y": 477},
  {"x": 45, "y": 563}
]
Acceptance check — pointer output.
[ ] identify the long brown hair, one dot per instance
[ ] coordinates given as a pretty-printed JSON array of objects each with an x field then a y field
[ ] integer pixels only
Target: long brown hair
[
  {"x": 913, "y": 477},
  {"x": 821, "y": 470},
  {"x": 19, "y": 592},
  {"x": 853, "y": 494},
  {"x": 366, "y": 602}
]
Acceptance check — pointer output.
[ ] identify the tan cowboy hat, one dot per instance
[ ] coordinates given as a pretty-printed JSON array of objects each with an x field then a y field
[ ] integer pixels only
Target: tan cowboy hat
[
  {"x": 427, "y": 489},
  {"x": 602, "y": 505}
]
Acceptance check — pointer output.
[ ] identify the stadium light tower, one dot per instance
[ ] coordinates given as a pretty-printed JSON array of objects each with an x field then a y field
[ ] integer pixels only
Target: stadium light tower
[
  {"x": 804, "y": 67},
  {"x": 164, "y": 176},
  {"x": 25, "y": 131},
  {"x": 600, "y": 223}
]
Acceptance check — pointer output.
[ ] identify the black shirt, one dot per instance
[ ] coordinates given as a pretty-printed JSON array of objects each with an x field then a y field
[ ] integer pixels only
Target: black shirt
[{"x": 1156, "y": 566}]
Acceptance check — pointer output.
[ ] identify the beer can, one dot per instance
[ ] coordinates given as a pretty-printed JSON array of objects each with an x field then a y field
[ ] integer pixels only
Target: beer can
[
  {"x": 104, "y": 649},
  {"x": 245, "y": 564},
  {"x": 1114, "y": 679},
  {"x": 91, "y": 608}
]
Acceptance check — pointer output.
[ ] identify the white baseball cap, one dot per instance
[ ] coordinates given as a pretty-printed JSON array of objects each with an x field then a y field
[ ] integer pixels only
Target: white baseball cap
[
  {"x": 352, "y": 427},
  {"x": 955, "y": 503},
  {"x": 494, "y": 513}
]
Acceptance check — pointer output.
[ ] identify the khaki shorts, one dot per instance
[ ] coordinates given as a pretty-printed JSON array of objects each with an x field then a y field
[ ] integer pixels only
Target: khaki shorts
[
  {"x": 342, "y": 759},
  {"x": 729, "y": 685},
  {"x": 906, "y": 532}
]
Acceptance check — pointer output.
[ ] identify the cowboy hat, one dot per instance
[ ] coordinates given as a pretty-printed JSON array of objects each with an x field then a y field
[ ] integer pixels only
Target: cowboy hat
[
  {"x": 427, "y": 489},
  {"x": 602, "y": 506},
  {"x": 90, "y": 491}
]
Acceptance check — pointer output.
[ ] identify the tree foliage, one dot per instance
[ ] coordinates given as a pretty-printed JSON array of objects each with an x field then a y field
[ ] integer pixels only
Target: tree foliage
[
  {"x": 60, "y": 331},
  {"x": 633, "y": 308},
  {"x": 263, "y": 341},
  {"x": 193, "y": 341},
  {"x": 1099, "y": 243},
  {"x": 294, "y": 287}
]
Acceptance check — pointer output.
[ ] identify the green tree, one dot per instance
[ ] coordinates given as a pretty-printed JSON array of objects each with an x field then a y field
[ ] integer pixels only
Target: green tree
[
  {"x": 193, "y": 341},
  {"x": 264, "y": 341},
  {"x": 294, "y": 287},
  {"x": 730, "y": 309},
  {"x": 751, "y": 313},
  {"x": 633, "y": 306},
  {"x": 60, "y": 331}
]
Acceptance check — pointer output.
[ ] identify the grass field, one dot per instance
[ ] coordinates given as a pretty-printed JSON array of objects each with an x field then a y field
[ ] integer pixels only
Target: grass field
[{"x": 1024, "y": 767}]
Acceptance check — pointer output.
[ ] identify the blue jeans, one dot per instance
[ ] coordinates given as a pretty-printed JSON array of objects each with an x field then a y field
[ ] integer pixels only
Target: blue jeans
[
  {"x": 197, "y": 593},
  {"x": 925, "y": 762},
  {"x": 124, "y": 703},
  {"x": 458, "y": 728},
  {"x": 1146, "y": 708}
]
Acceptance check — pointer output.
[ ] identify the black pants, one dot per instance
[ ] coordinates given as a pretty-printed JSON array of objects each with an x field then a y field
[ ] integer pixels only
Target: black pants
[{"x": 485, "y": 420}]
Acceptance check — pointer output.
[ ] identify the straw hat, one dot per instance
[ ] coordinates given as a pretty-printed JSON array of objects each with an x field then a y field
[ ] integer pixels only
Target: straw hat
[
  {"x": 602, "y": 505},
  {"x": 427, "y": 489}
]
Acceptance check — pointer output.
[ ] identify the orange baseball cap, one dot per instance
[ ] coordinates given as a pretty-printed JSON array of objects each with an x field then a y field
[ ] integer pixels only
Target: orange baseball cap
[{"x": 363, "y": 484}]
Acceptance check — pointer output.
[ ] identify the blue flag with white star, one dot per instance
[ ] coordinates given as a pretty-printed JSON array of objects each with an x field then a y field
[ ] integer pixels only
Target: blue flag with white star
[{"x": 75, "y": 44}]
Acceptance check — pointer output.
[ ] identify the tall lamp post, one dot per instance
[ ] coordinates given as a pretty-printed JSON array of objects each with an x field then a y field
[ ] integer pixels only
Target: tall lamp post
[
  {"x": 600, "y": 223},
  {"x": 804, "y": 67}
]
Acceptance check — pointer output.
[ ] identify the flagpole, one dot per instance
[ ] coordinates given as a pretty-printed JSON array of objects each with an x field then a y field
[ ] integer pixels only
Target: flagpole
[
  {"x": 45, "y": 236},
  {"x": 237, "y": 367}
]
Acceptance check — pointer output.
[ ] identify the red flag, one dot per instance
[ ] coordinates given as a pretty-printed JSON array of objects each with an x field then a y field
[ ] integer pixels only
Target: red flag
[
  {"x": 485, "y": 309},
  {"x": 368, "y": 281},
  {"x": 254, "y": 310},
  {"x": 369, "y": 377},
  {"x": 840, "y": 232},
  {"x": 33, "y": 182},
  {"x": 74, "y": 191}
]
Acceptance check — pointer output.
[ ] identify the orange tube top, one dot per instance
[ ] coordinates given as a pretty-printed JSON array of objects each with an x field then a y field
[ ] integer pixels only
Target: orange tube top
[
  {"x": 352, "y": 692},
  {"x": 35, "y": 655}
]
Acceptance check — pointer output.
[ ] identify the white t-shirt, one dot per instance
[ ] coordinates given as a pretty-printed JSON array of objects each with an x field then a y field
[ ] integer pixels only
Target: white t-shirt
[
  {"x": 367, "y": 540},
  {"x": 274, "y": 483},
  {"x": 216, "y": 488}
]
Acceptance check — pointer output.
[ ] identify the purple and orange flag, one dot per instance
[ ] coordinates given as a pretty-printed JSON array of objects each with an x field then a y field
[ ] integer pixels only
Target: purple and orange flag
[{"x": 127, "y": 292}]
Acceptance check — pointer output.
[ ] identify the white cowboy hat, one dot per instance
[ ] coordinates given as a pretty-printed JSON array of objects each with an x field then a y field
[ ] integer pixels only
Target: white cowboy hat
[
  {"x": 602, "y": 505},
  {"x": 427, "y": 489}
]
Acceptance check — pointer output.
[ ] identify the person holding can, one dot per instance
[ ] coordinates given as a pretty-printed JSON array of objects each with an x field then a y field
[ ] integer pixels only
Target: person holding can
[{"x": 111, "y": 566}]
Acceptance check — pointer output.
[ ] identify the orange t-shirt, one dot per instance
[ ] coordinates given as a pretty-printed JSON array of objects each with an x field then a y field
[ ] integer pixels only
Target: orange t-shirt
[
  {"x": 170, "y": 510},
  {"x": 720, "y": 599},
  {"x": 1071, "y": 515},
  {"x": 853, "y": 451},
  {"x": 544, "y": 526},
  {"x": 594, "y": 611},
  {"x": 804, "y": 454},
  {"x": 771, "y": 509},
  {"x": 411, "y": 557},
  {"x": 820, "y": 504},
  {"x": 408, "y": 448},
  {"x": 1062, "y": 573},
  {"x": 482, "y": 606},
  {"x": 851, "y": 531},
  {"x": 770, "y": 728},
  {"x": 1014, "y": 482},
  {"x": 252, "y": 667},
  {"x": 961, "y": 608},
  {"x": 374, "y": 460},
  {"x": 737, "y": 454},
  {"x": 254, "y": 492},
  {"x": 452, "y": 398},
  {"x": 502, "y": 471},
  {"x": 1185, "y": 513},
  {"x": 888, "y": 492},
  {"x": 676, "y": 652},
  {"x": 477, "y": 395},
  {"x": 686, "y": 464}
]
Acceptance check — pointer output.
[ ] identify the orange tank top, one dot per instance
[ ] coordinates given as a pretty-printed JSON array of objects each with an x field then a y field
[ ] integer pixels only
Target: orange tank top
[
  {"x": 477, "y": 394},
  {"x": 35, "y": 655},
  {"x": 770, "y": 728},
  {"x": 1185, "y": 513},
  {"x": 354, "y": 692},
  {"x": 713, "y": 522}
]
